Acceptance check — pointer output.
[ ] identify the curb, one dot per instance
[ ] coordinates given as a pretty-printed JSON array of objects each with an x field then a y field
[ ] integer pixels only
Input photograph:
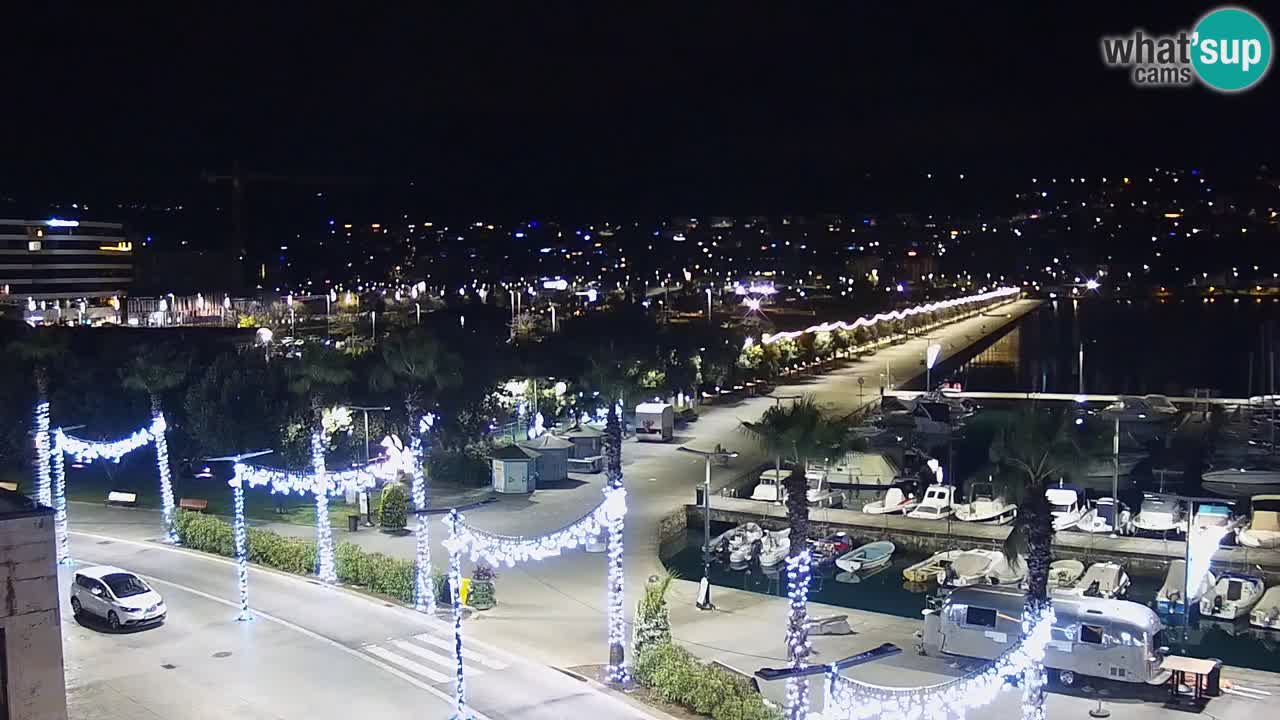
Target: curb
[{"x": 623, "y": 697}]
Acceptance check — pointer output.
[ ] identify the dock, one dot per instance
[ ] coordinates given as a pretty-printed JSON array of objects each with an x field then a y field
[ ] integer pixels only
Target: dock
[{"x": 1067, "y": 397}]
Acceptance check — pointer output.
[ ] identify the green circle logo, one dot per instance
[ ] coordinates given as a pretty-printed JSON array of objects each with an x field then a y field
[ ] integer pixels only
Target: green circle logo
[{"x": 1231, "y": 49}]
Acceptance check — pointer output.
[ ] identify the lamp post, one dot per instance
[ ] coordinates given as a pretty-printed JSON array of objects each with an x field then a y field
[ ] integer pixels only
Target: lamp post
[
  {"x": 708, "y": 306},
  {"x": 362, "y": 496},
  {"x": 930, "y": 359},
  {"x": 704, "y": 588}
]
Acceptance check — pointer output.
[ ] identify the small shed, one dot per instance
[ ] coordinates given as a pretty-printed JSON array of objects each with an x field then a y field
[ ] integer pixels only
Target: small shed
[
  {"x": 553, "y": 456},
  {"x": 515, "y": 470},
  {"x": 588, "y": 442},
  {"x": 655, "y": 422}
]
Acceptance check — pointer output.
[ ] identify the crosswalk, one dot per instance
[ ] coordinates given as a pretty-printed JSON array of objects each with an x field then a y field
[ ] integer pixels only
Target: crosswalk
[{"x": 430, "y": 657}]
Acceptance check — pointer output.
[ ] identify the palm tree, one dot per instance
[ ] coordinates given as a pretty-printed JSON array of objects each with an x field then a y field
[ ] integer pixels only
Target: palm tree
[
  {"x": 801, "y": 433},
  {"x": 155, "y": 371},
  {"x": 40, "y": 349},
  {"x": 1038, "y": 447},
  {"x": 320, "y": 372}
]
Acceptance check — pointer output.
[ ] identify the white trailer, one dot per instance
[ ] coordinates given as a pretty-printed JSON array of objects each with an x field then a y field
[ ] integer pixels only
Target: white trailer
[{"x": 655, "y": 422}]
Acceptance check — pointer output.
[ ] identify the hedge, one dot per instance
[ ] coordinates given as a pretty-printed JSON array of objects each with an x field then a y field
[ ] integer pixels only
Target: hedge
[
  {"x": 379, "y": 573},
  {"x": 677, "y": 677}
]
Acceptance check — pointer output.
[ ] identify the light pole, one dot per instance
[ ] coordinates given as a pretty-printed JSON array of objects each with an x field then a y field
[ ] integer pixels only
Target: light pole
[
  {"x": 708, "y": 306},
  {"x": 930, "y": 358},
  {"x": 363, "y": 497},
  {"x": 704, "y": 588}
]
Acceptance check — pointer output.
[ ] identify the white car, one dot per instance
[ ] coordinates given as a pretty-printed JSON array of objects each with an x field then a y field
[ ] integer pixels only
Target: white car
[{"x": 117, "y": 596}]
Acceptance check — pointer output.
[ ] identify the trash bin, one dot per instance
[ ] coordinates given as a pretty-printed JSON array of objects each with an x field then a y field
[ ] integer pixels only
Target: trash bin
[
  {"x": 1213, "y": 681},
  {"x": 353, "y": 522}
]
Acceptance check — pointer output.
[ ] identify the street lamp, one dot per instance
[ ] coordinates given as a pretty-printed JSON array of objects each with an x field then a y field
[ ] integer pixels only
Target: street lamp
[
  {"x": 930, "y": 358},
  {"x": 363, "y": 497},
  {"x": 704, "y": 588}
]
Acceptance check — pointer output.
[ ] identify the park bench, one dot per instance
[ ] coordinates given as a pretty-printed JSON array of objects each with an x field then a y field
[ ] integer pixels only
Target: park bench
[
  {"x": 121, "y": 497},
  {"x": 196, "y": 504}
]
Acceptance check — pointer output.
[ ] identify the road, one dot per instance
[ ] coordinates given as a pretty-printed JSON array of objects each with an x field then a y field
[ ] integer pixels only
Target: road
[{"x": 311, "y": 653}]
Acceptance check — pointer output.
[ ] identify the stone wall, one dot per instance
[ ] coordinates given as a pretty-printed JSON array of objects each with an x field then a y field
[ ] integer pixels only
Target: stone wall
[{"x": 30, "y": 617}]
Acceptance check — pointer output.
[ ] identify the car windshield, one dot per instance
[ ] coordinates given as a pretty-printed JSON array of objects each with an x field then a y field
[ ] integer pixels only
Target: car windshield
[{"x": 124, "y": 585}]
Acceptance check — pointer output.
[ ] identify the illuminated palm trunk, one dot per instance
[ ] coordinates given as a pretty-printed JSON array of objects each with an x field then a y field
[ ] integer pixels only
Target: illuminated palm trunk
[
  {"x": 424, "y": 597},
  {"x": 324, "y": 533},
  {"x": 40, "y": 428},
  {"x": 162, "y": 467},
  {"x": 617, "y": 670},
  {"x": 798, "y": 572},
  {"x": 1039, "y": 532}
]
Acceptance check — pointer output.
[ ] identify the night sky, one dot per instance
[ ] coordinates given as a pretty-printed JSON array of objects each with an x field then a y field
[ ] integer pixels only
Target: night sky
[{"x": 739, "y": 107}]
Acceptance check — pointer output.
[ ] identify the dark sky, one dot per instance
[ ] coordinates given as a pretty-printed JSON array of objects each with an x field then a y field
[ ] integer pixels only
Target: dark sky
[{"x": 633, "y": 105}]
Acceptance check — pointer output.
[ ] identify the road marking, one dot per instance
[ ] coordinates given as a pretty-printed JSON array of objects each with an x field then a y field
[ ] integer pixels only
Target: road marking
[
  {"x": 279, "y": 621},
  {"x": 447, "y": 645},
  {"x": 447, "y": 663},
  {"x": 405, "y": 662},
  {"x": 1249, "y": 689},
  {"x": 1249, "y": 695}
]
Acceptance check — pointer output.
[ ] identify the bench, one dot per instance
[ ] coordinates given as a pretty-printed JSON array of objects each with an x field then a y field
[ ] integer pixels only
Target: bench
[
  {"x": 120, "y": 497},
  {"x": 10, "y": 486},
  {"x": 196, "y": 504}
]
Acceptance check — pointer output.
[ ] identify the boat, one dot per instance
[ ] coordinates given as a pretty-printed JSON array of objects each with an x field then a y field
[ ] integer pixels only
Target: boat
[
  {"x": 769, "y": 489},
  {"x": 985, "y": 506},
  {"x": 1065, "y": 573},
  {"x": 894, "y": 501},
  {"x": 1104, "y": 580},
  {"x": 1104, "y": 466},
  {"x": 1232, "y": 596},
  {"x": 826, "y": 550},
  {"x": 862, "y": 469},
  {"x": 927, "y": 570},
  {"x": 1263, "y": 530},
  {"x": 1249, "y": 473},
  {"x": 1211, "y": 515},
  {"x": 936, "y": 503},
  {"x": 820, "y": 494},
  {"x": 1266, "y": 614},
  {"x": 871, "y": 555},
  {"x": 1103, "y": 517},
  {"x": 741, "y": 542},
  {"x": 1160, "y": 514},
  {"x": 1064, "y": 504},
  {"x": 1149, "y": 409},
  {"x": 1003, "y": 572},
  {"x": 774, "y": 547},
  {"x": 970, "y": 567},
  {"x": 1169, "y": 599}
]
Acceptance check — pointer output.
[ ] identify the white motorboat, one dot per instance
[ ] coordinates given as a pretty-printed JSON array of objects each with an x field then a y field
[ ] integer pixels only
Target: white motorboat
[
  {"x": 869, "y": 556},
  {"x": 1104, "y": 466},
  {"x": 1266, "y": 614},
  {"x": 1263, "y": 530},
  {"x": 1003, "y": 572},
  {"x": 820, "y": 494},
  {"x": 927, "y": 570},
  {"x": 1232, "y": 596},
  {"x": 1249, "y": 473},
  {"x": 769, "y": 489},
  {"x": 1104, "y": 580},
  {"x": 937, "y": 503},
  {"x": 774, "y": 547},
  {"x": 1170, "y": 598},
  {"x": 970, "y": 567},
  {"x": 1132, "y": 409},
  {"x": 985, "y": 506},
  {"x": 1103, "y": 517},
  {"x": 741, "y": 541},
  {"x": 1064, "y": 506},
  {"x": 1065, "y": 573},
  {"x": 1211, "y": 515},
  {"x": 1160, "y": 514},
  {"x": 894, "y": 501}
]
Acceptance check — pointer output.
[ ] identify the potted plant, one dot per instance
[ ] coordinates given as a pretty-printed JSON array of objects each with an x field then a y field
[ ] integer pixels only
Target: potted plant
[
  {"x": 481, "y": 596},
  {"x": 393, "y": 511}
]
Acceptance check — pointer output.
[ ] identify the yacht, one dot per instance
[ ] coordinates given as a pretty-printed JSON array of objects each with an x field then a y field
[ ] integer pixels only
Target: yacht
[
  {"x": 938, "y": 503},
  {"x": 1132, "y": 409},
  {"x": 1232, "y": 596},
  {"x": 1064, "y": 504},
  {"x": 1160, "y": 514},
  {"x": 1263, "y": 530},
  {"x": 1105, "y": 580},
  {"x": 769, "y": 489},
  {"x": 895, "y": 501},
  {"x": 1170, "y": 598},
  {"x": 1105, "y": 517},
  {"x": 985, "y": 506}
]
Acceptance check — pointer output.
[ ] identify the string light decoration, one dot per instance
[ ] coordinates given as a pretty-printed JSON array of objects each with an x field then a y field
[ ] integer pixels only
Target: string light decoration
[
  {"x": 849, "y": 699},
  {"x": 324, "y": 532},
  {"x": 60, "y": 508},
  {"x": 91, "y": 450},
  {"x": 1004, "y": 292},
  {"x": 615, "y": 510},
  {"x": 424, "y": 597},
  {"x": 240, "y": 536},
  {"x": 799, "y": 570},
  {"x": 43, "y": 491},
  {"x": 455, "y": 599},
  {"x": 166, "y": 483}
]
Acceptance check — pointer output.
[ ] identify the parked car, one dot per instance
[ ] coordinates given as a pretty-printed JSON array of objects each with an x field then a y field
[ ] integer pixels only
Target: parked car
[{"x": 117, "y": 596}]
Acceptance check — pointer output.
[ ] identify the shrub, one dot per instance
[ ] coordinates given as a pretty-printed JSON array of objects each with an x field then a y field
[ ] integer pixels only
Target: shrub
[
  {"x": 482, "y": 590},
  {"x": 676, "y": 676},
  {"x": 394, "y": 509},
  {"x": 652, "y": 623}
]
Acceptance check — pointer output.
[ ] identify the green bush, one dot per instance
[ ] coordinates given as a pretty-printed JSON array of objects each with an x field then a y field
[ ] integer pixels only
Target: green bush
[
  {"x": 379, "y": 573},
  {"x": 676, "y": 676},
  {"x": 394, "y": 508}
]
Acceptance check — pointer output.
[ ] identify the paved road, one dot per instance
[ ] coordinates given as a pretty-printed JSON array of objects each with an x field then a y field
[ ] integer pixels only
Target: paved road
[{"x": 312, "y": 652}]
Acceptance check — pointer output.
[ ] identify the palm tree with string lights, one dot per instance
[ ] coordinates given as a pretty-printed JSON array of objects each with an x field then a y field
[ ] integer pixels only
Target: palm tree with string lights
[
  {"x": 800, "y": 432},
  {"x": 156, "y": 371},
  {"x": 41, "y": 349}
]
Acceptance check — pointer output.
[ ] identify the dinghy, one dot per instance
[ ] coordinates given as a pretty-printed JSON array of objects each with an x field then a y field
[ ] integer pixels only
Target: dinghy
[
  {"x": 1003, "y": 572},
  {"x": 894, "y": 501},
  {"x": 774, "y": 547},
  {"x": 927, "y": 570},
  {"x": 871, "y": 555},
  {"x": 826, "y": 550},
  {"x": 1170, "y": 597},
  {"x": 1233, "y": 596},
  {"x": 969, "y": 568},
  {"x": 1105, "y": 580},
  {"x": 1266, "y": 614},
  {"x": 1065, "y": 573}
]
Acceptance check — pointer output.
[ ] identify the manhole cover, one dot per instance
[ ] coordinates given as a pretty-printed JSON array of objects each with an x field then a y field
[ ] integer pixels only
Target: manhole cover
[
  {"x": 169, "y": 666},
  {"x": 222, "y": 654},
  {"x": 104, "y": 542}
]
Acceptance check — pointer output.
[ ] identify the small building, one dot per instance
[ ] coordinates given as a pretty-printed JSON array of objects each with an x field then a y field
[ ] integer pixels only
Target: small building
[
  {"x": 553, "y": 456},
  {"x": 515, "y": 469},
  {"x": 588, "y": 442},
  {"x": 30, "y": 620},
  {"x": 655, "y": 422}
]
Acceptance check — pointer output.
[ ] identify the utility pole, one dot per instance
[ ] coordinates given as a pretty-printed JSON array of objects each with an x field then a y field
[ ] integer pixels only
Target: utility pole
[
  {"x": 363, "y": 497},
  {"x": 704, "y": 588}
]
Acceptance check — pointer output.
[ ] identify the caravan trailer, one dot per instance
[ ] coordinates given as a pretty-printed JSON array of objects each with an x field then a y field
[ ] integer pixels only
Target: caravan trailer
[{"x": 1113, "y": 639}]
